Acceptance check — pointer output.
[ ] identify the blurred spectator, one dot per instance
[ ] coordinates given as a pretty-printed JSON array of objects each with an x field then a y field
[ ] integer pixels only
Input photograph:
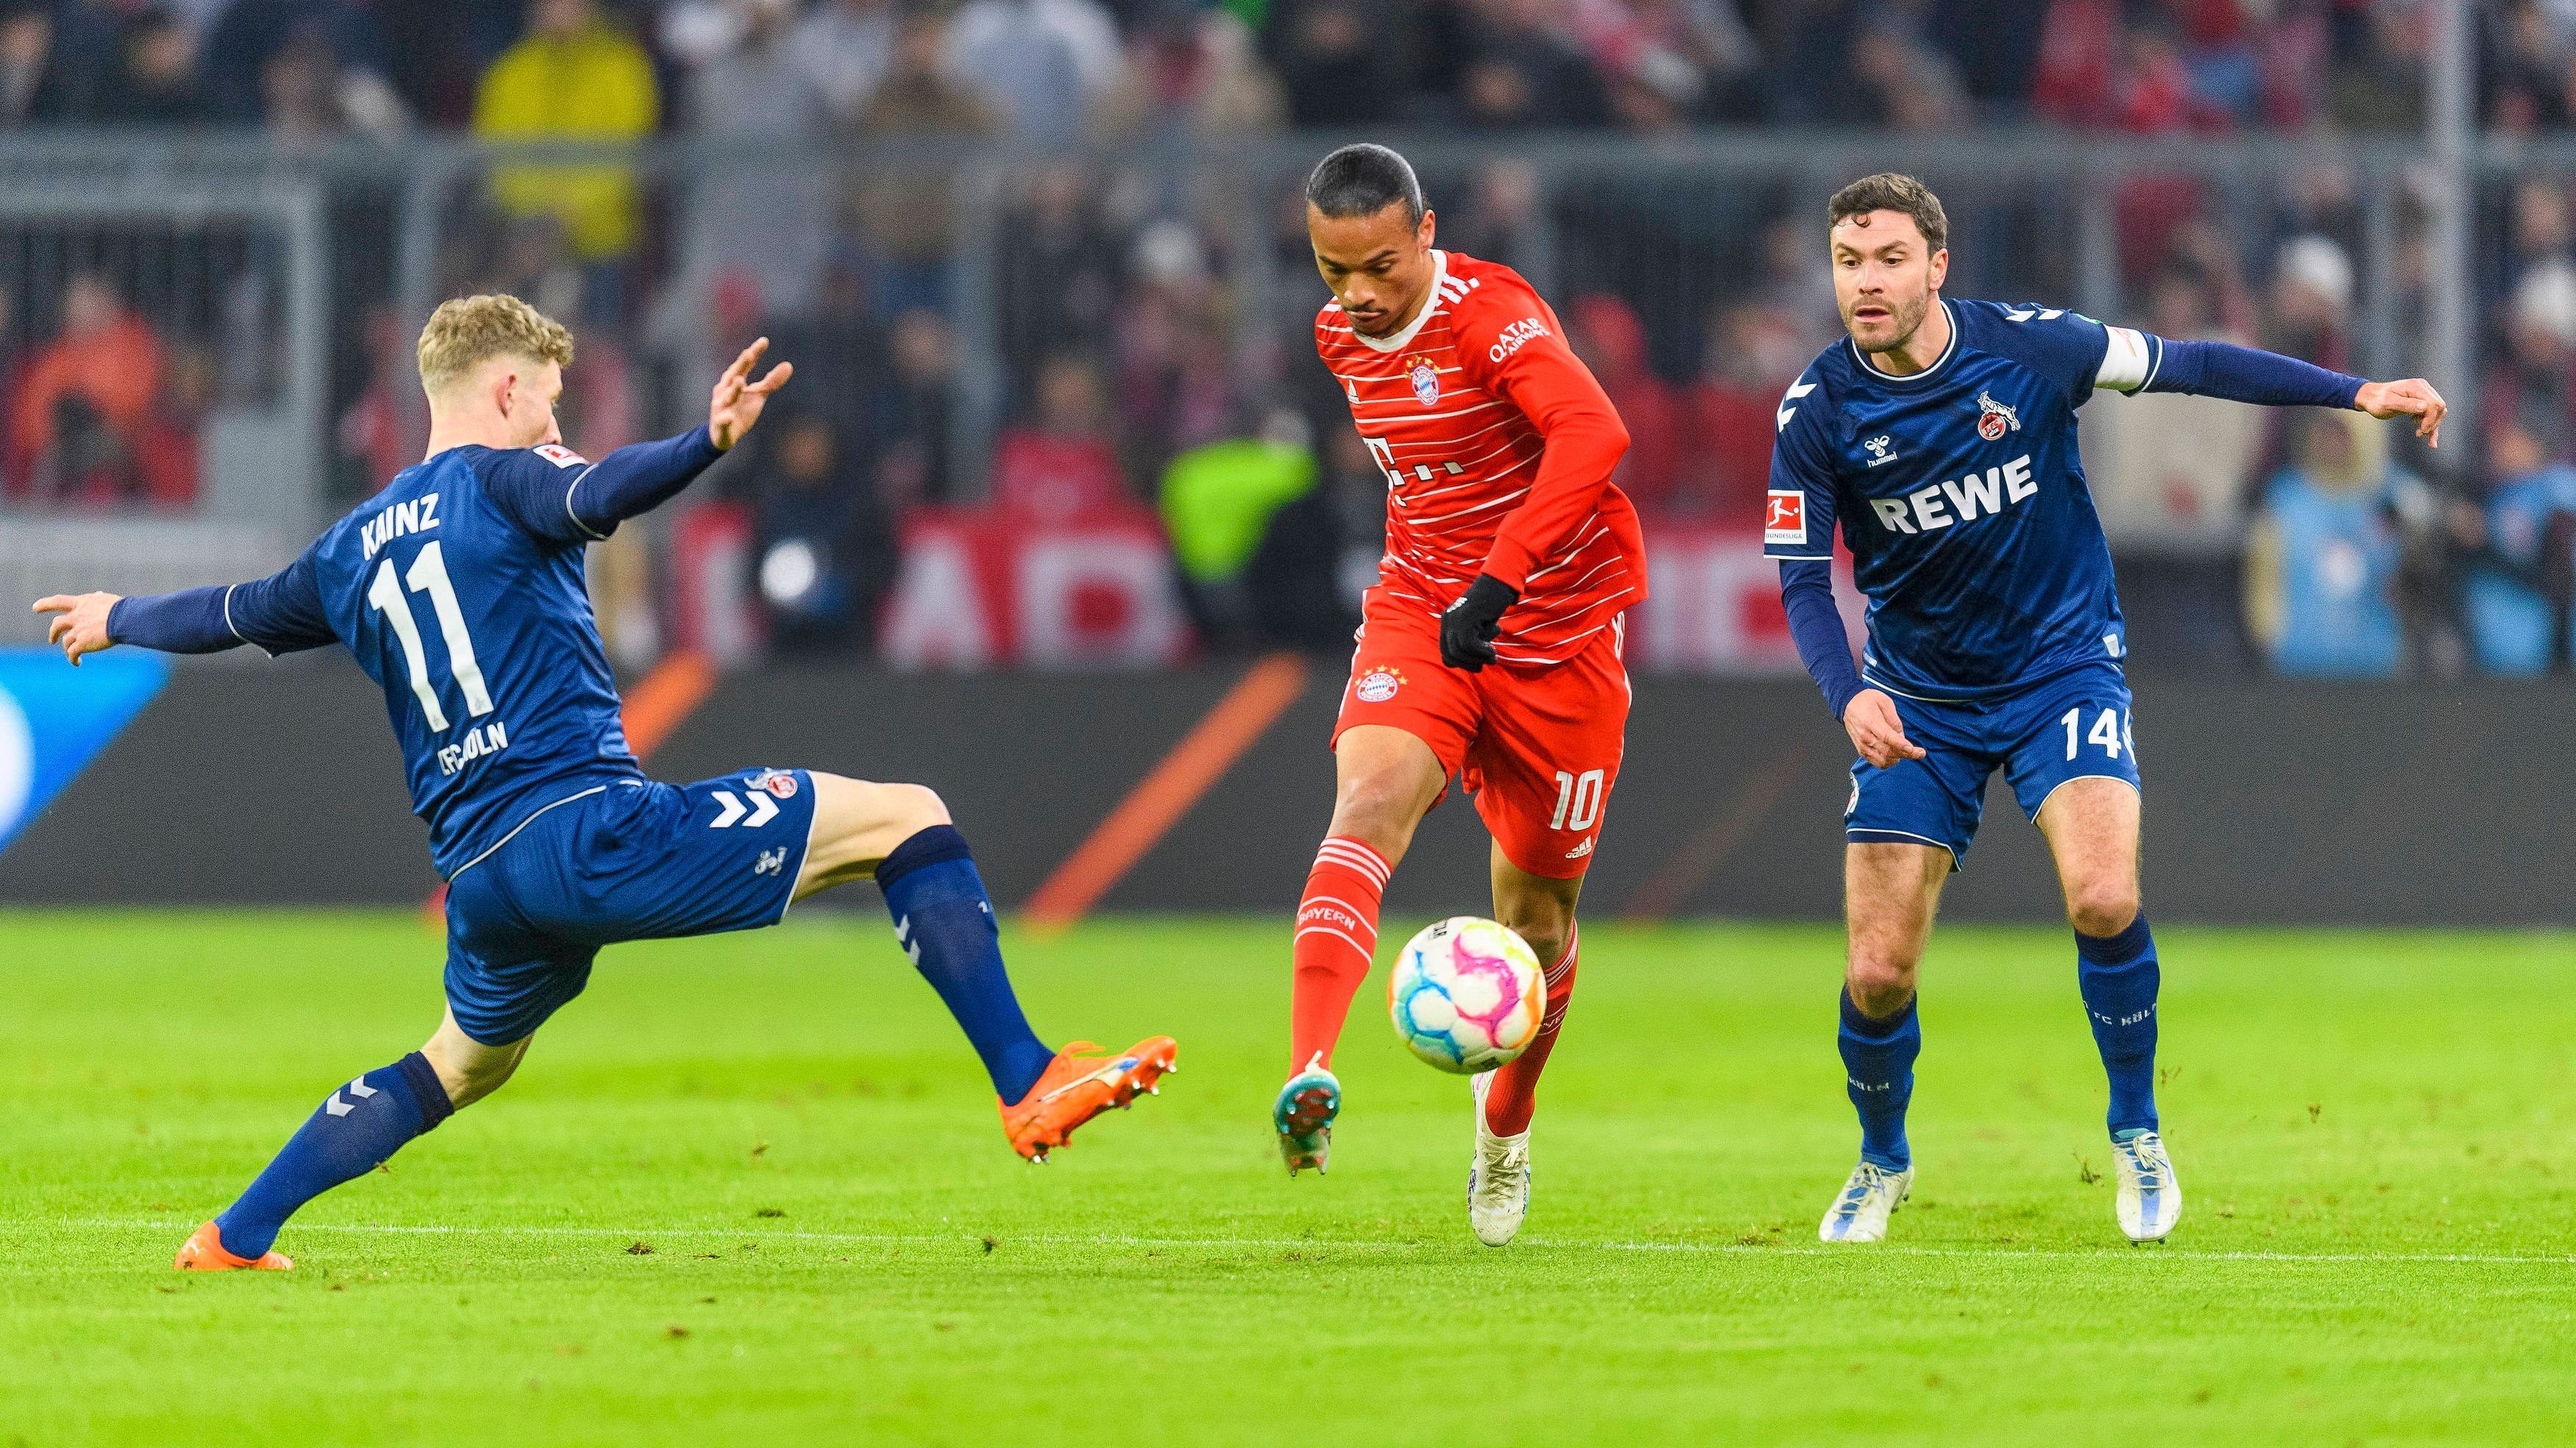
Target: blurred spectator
[
  {"x": 846, "y": 48},
  {"x": 913, "y": 410},
  {"x": 2322, "y": 562},
  {"x": 83, "y": 396},
  {"x": 2171, "y": 472},
  {"x": 1175, "y": 376},
  {"x": 2515, "y": 587},
  {"x": 1355, "y": 488},
  {"x": 42, "y": 79},
  {"x": 826, "y": 547},
  {"x": 1058, "y": 269},
  {"x": 1335, "y": 65},
  {"x": 165, "y": 446},
  {"x": 2533, "y": 384},
  {"x": 1228, "y": 502},
  {"x": 839, "y": 349},
  {"x": 307, "y": 92},
  {"x": 1062, "y": 465},
  {"x": 1605, "y": 333},
  {"x": 2311, "y": 302},
  {"x": 771, "y": 223},
  {"x": 247, "y": 40},
  {"x": 1191, "y": 70},
  {"x": 1520, "y": 73},
  {"x": 1755, "y": 352},
  {"x": 575, "y": 77},
  {"x": 1042, "y": 63},
  {"x": 156, "y": 76},
  {"x": 2377, "y": 78},
  {"x": 906, "y": 210}
]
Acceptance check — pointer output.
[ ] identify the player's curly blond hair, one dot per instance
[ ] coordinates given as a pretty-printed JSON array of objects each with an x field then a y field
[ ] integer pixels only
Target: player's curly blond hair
[{"x": 468, "y": 330}]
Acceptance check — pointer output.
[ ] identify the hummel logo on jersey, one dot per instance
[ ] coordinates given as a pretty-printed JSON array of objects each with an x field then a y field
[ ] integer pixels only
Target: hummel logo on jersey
[
  {"x": 903, "y": 937},
  {"x": 1994, "y": 419},
  {"x": 1516, "y": 336},
  {"x": 729, "y": 810},
  {"x": 1878, "y": 450},
  {"x": 1974, "y": 496}
]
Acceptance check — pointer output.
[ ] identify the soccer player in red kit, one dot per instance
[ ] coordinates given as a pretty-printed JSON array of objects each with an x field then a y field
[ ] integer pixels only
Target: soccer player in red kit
[{"x": 1490, "y": 647}]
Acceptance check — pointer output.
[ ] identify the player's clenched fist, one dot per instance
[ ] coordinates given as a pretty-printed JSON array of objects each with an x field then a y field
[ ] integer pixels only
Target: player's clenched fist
[
  {"x": 2413, "y": 398},
  {"x": 1875, "y": 730},
  {"x": 80, "y": 623}
]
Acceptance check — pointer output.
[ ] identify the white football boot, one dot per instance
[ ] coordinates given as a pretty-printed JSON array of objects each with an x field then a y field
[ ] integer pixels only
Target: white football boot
[
  {"x": 1498, "y": 1179},
  {"x": 2150, "y": 1200},
  {"x": 1860, "y": 1212}
]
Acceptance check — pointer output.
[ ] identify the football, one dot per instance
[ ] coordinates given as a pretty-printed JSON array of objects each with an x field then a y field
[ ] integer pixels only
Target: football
[{"x": 1467, "y": 995}]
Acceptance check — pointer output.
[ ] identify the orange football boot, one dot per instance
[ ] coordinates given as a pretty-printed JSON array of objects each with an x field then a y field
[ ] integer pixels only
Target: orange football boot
[
  {"x": 204, "y": 1252},
  {"x": 1077, "y": 1087}
]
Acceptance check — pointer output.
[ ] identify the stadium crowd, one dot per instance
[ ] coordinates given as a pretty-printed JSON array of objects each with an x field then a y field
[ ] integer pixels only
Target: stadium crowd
[{"x": 1140, "y": 376}]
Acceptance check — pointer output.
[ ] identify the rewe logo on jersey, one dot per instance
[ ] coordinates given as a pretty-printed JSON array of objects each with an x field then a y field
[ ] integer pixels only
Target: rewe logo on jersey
[
  {"x": 54, "y": 719},
  {"x": 1978, "y": 495}
]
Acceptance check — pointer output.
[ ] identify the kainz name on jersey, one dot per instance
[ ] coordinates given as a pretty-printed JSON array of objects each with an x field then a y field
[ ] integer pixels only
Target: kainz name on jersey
[
  {"x": 479, "y": 743},
  {"x": 412, "y": 515},
  {"x": 1975, "y": 496}
]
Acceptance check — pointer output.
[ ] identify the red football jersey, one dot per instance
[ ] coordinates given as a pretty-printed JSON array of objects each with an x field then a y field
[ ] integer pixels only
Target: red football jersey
[{"x": 1498, "y": 447}]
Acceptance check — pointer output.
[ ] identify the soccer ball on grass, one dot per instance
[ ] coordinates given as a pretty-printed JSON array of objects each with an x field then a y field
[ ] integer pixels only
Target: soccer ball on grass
[{"x": 1466, "y": 995}]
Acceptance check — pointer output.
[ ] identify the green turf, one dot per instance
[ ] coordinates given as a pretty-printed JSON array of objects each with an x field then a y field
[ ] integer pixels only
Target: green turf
[{"x": 2371, "y": 1129}]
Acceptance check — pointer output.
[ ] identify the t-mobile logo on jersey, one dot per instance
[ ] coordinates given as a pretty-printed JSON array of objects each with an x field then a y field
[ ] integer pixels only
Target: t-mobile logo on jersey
[{"x": 1974, "y": 496}]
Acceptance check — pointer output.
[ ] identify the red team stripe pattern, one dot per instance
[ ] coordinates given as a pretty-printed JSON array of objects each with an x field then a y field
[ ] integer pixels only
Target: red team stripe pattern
[
  {"x": 1452, "y": 414},
  {"x": 1335, "y": 941}
]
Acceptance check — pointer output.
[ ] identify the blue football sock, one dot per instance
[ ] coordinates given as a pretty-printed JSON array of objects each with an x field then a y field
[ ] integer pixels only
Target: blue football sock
[
  {"x": 2119, "y": 977},
  {"x": 360, "y": 1125},
  {"x": 944, "y": 921},
  {"x": 1878, "y": 1066}
]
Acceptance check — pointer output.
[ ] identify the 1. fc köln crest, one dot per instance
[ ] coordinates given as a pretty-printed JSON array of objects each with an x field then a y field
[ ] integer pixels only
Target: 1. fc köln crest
[{"x": 1425, "y": 379}]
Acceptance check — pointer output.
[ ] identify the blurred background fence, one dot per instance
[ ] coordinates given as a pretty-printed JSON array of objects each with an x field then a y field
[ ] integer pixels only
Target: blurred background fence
[{"x": 1056, "y": 401}]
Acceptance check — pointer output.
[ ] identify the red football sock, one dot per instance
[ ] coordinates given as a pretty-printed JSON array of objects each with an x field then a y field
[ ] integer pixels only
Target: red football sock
[
  {"x": 1514, "y": 1094},
  {"x": 1336, "y": 935}
]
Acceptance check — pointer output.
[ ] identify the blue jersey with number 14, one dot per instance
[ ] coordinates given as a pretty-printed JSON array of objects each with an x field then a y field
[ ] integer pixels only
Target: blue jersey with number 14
[
  {"x": 460, "y": 591},
  {"x": 1961, "y": 496}
]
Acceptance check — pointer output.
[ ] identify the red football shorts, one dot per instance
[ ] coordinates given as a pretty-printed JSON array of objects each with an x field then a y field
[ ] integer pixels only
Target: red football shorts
[{"x": 1538, "y": 747}]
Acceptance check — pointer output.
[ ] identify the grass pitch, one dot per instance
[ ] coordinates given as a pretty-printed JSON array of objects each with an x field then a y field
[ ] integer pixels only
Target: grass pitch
[{"x": 751, "y": 1189}]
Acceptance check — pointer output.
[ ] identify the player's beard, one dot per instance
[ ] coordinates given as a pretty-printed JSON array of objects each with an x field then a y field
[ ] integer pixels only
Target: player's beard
[{"x": 1906, "y": 318}]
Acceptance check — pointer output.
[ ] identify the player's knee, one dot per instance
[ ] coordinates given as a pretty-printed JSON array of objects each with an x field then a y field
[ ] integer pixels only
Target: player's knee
[
  {"x": 912, "y": 808},
  {"x": 1379, "y": 806},
  {"x": 1880, "y": 981},
  {"x": 2101, "y": 908}
]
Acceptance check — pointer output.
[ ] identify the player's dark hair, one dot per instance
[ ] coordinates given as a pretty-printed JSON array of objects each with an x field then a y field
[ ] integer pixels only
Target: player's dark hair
[
  {"x": 1362, "y": 179},
  {"x": 1892, "y": 191}
]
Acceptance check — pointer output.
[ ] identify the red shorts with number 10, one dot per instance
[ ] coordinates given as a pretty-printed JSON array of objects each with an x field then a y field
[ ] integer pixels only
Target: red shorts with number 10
[{"x": 1538, "y": 747}]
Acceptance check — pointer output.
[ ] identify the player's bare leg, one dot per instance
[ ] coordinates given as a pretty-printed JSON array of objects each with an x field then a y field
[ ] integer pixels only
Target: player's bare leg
[
  {"x": 1541, "y": 909},
  {"x": 2092, "y": 830},
  {"x": 1891, "y": 892},
  {"x": 900, "y": 836},
  {"x": 1385, "y": 780}
]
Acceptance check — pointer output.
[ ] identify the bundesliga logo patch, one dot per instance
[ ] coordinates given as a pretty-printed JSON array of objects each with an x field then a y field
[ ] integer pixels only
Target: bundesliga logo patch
[
  {"x": 1786, "y": 519},
  {"x": 779, "y": 783},
  {"x": 1425, "y": 379},
  {"x": 1378, "y": 685},
  {"x": 559, "y": 455}
]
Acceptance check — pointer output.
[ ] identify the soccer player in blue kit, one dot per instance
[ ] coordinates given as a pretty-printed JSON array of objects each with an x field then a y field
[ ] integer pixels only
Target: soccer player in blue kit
[
  {"x": 459, "y": 589},
  {"x": 1940, "y": 437}
]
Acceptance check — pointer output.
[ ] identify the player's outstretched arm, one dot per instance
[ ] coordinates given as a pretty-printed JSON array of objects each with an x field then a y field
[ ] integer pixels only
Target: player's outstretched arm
[
  {"x": 1816, "y": 626},
  {"x": 635, "y": 480},
  {"x": 2249, "y": 374},
  {"x": 281, "y": 613},
  {"x": 79, "y": 623}
]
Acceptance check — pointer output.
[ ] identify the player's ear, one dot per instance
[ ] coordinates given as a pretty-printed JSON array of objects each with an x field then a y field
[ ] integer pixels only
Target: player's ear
[
  {"x": 1422, "y": 234},
  {"x": 1940, "y": 267}
]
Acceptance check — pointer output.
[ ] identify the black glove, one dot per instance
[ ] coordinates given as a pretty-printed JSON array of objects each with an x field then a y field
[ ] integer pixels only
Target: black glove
[{"x": 1468, "y": 629}]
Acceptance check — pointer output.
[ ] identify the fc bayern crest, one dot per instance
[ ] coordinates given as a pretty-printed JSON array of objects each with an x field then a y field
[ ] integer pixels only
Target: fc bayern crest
[
  {"x": 778, "y": 782},
  {"x": 1426, "y": 381},
  {"x": 1378, "y": 685}
]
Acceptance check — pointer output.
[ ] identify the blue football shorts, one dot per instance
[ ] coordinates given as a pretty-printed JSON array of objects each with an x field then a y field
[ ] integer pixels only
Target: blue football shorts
[
  {"x": 631, "y": 860},
  {"x": 2073, "y": 726}
]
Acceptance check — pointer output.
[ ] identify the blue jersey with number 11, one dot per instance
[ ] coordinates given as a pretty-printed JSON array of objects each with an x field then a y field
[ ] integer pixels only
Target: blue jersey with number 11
[
  {"x": 460, "y": 591},
  {"x": 1961, "y": 496}
]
